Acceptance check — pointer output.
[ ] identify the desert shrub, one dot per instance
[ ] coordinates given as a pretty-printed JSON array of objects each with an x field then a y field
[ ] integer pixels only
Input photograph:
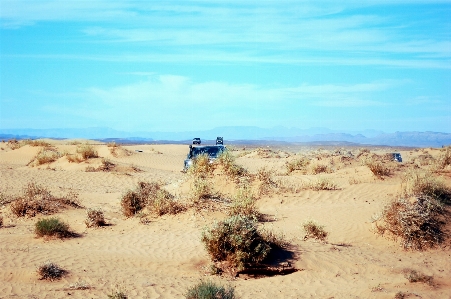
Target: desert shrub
[
  {"x": 50, "y": 271},
  {"x": 201, "y": 189},
  {"x": 201, "y": 166},
  {"x": 229, "y": 166},
  {"x": 415, "y": 276},
  {"x": 267, "y": 182},
  {"x": 424, "y": 160},
  {"x": 150, "y": 195},
  {"x": 37, "y": 142},
  {"x": 52, "y": 227},
  {"x": 164, "y": 203},
  {"x": 322, "y": 184},
  {"x": 94, "y": 218},
  {"x": 319, "y": 168},
  {"x": 80, "y": 285},
  {"x": 117, "y": 150},
  {"x": 107, "y": 165},
  {"x": 444, "y": 159},
  {"x": 210, "y": 290},
  {"x": 87, "y": 151},
  {"x": 236, "y": 240},
  {"x": 14, "y": 144},
  {"x": 36, "y": 199},
  {"x": 417, "y": 223},
  {"x": 118, "y": 294},
  {"x": 45, "y": 156},
  {"x": 244, "y": 203},
  {"x": 1, "y": 220},
  {"x": 297, "y": 164},
  {"x": 314, "y": 230},
  {"x": 377, "y": 168},
  {"x": 417, "y": 183}
]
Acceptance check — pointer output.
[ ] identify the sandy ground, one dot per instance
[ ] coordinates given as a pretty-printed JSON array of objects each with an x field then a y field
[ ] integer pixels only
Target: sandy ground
[{"x": 165, "y": 257}]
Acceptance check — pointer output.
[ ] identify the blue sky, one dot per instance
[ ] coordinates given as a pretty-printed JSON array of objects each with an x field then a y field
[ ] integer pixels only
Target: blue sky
[{"x": 190, "y": 65}]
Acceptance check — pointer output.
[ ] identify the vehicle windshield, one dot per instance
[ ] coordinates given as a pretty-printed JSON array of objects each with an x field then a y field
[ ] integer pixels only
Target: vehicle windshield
[{"x": 212, "y": 151}]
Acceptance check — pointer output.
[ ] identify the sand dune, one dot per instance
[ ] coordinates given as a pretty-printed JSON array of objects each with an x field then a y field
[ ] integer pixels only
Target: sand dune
[{"x": 165, "y": 257}]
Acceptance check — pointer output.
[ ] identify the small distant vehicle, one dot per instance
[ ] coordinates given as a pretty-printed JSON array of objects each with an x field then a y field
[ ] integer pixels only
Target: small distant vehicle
[
  {"x": 196, "y": 140},
  {"x": 213, "y": 152},
  {"x": 219, "y": 140},
  {"x": 397, "y": 157}
]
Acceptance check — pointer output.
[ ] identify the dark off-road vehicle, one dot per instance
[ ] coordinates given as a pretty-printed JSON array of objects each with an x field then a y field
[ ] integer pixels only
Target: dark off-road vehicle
[
  {"x": 213, "y": 152},
  {"x": 397, "y": 157},
  {"x": 196, "y": 140}
]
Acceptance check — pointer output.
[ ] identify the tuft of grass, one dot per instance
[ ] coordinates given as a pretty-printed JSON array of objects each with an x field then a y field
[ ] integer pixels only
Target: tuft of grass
[
  {"x": 417, "y": 223},
  {"x": 1, "y": 220},
  {"x": 236, "y": 240},
  {"x": 86, "y": 151},
  {"x": 94, "y": 218},
  {"x": 50, "y": 271},
  {"x": 378, "y": 169},
  {"x": 14, "y": 144},
  {"x": 322, "y": 184},
  {"x": 244, "y": 203},
  {"x": 444, "y": 160},
  {"x": 201, "y": 190},
  {"x": 229, "y": 166},
  {"x": 210, "y": 290},
  {"x": 45, "y": 156},
  {"x": 36, "y": 199},
  {"x": 417, "y": 183},
  {"x": 297, "y": 164},
  {"x": 319, "y": 168},
  {"x": 118, "y": 293},
  {"x": 201, "y": 166},
  {"x": 314, "y": 230},
  {"x": 415, "y": 276},
  {"x": 266, "y": 180},
  {"x": 52, "y": 227},
  {"x": 152, "y": 196},
  {"x": 400, "y": 295}
]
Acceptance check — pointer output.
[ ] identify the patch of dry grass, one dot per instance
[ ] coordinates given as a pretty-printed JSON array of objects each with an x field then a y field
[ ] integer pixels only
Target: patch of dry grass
[
  {"x": 244, "y": 203},
  {"x": 83, "y": 153},
  {"x": 378, "y": 168},
  {"x": 297, "y": 164},
  {"x": 314, "y": 230},
  {"x": 266, "y": 181},
  {"x": 45, "y": 156},
  {"x": 415, "y": 276},
  {"x": 322, "y": 184},
  {"x": 424, "y": 183},
  {"x": 229, "y": 166},
  {"x": 36, "y": 199},
  {"x": 316, "y": 168}
]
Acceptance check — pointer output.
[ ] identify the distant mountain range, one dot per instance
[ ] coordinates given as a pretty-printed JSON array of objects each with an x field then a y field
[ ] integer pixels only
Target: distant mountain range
[{"x": 291, "y": 135}]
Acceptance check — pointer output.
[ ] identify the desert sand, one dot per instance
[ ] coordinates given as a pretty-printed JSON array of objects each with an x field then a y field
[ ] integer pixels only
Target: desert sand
[{"x": 164, "y": 257}]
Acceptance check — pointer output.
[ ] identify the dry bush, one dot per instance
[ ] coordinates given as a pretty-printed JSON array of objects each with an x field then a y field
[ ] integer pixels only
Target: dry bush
[
  {"x": 50, "y": 271},
  {"x": 297, "y": 164},
  {"x": 237, "y": 241},
  {"x": 152, "y": 196},
  {"x": 377, "y": 168},
  {"x": 1, "y": 220},
  {"x": 36, "y": 199},
  {"x": 319, "y": 168},
  {"x": 425, "y": 160},
  {"x": 52, "y": 227},
  {"x": 314, "y": 230},
  {"x": 230, "y": 168},
  {"x": 86, "y": 151},
  {"x": 117, "y": 150},
  {"x": 322, "y": 184},
  {"x": 415, "y": 276},
  {"x": 107, "y": 165},
  {"x": 164, "y": 203},
  {"x": 267, "y": 182},
  {"x": 94, "y": 218},
  {"x": 37, "y": 142},
  {"x": 80, "y": 285},
  {"x": 417, "y": 223},
  {"x": 201, "y": 166},
  {"x": 210, "y": 290},
  {"x": 244, "y": 203},
  {"x": 443, "y": 160},
  {"x": 45, "y": 156},
  {"x": 201, "y": 190},
  {"x": 419, "y": 183}
]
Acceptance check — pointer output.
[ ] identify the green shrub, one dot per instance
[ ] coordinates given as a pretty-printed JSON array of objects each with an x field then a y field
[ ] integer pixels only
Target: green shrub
[
  {"x": 236, "y": 240},
  {"x": 210, "y": 290},
  {"x": 52, "y": 227},
  {"x": 315, "y": 231},
  {"x": 416, "y": 223},
  {"x": 50, "y": 271}
]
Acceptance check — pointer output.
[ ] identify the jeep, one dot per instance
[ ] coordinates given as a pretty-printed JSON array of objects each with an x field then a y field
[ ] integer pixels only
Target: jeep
[{"x": 213, "y": 152}]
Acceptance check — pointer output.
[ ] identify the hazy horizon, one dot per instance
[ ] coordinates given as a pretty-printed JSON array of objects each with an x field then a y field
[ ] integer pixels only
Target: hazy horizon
[{"x": 196, "y": 65}]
